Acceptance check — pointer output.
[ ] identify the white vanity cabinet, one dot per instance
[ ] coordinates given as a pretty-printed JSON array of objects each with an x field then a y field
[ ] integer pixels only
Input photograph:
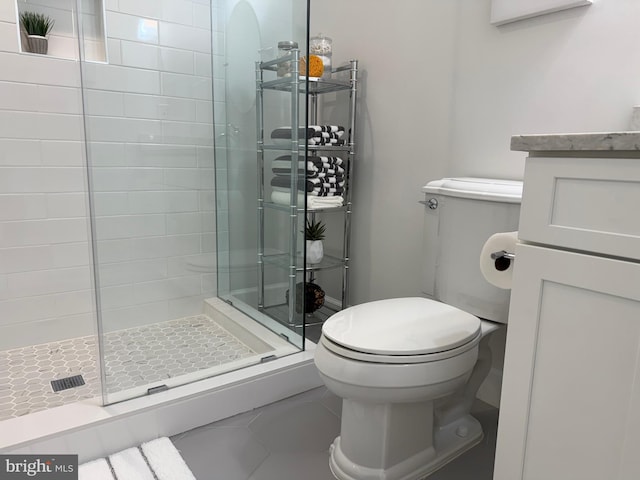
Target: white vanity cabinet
[{"x": 570, "y": 406}]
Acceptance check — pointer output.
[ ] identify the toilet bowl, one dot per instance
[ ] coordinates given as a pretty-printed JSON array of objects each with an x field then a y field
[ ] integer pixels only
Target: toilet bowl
[
  {"x": 390, "y": 381},
  {"x": 409, "y": 369}
]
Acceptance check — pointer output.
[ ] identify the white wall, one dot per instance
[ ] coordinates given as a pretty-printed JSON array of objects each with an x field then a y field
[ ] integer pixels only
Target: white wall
[
  {"x": 404, "y": 132},
  {"x": 571, "y": 71},
  {"x": 45, "y": 283},
  {"x": 443, "y": 91}
]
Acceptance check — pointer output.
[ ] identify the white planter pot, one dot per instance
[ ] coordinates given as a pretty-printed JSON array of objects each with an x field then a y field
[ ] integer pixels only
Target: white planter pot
[
  {"x": 315, "y": 251},
  {"x": 37, "y": 44}
]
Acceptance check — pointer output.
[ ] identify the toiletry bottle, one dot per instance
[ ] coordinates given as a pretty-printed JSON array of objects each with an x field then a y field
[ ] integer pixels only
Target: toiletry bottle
[
  {"x": 284, "y": 48},
  {"x": 323, "y": 47}
]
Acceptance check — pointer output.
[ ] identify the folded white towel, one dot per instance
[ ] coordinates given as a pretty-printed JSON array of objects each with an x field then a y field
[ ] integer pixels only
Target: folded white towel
[
  {"x": 313, "y": 202},
  {"x": 324, "y": 202},
  {"x": 95, "y": 470},
  {"x": 166, "y": 460},
  {"x": 155, "y": 460},
  {"x": 130, "y": 465}
]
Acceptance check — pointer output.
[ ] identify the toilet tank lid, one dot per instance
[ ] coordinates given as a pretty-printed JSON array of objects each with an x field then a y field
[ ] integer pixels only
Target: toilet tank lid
[
  {"x": 401, "y": 326},
  {"x": 489, "y": 189}
]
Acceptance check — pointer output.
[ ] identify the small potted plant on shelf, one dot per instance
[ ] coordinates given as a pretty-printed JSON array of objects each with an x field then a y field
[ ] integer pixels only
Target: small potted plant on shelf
[
  {"x": 314, "y": 234},
  {"x": 36, "y": 27}
]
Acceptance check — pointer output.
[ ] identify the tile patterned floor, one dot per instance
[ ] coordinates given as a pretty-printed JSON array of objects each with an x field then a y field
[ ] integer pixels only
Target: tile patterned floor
[
  {"x": 133, "y": 357},
  {"x": 25, "y": 375},
  {"x": 142, "y": 355},
  {"x": 289, "y": 440}
]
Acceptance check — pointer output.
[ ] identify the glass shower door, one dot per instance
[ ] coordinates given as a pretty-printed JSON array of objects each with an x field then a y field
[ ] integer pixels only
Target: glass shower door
[
  {"x": 150, "y": 147},
  {"x": 260, "y": 244}
]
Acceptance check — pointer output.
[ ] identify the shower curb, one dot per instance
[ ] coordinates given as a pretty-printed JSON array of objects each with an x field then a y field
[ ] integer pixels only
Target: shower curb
[{"x": 92, "y": 431}]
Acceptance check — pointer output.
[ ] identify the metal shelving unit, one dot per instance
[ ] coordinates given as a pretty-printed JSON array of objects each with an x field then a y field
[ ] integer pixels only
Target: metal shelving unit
[{"x": 292, "y": 261}]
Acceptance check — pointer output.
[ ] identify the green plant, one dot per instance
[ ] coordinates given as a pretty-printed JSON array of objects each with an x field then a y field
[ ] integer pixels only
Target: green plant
[
  {"x": 314, "y": 230},
  {"x": 36, "y": 23}
]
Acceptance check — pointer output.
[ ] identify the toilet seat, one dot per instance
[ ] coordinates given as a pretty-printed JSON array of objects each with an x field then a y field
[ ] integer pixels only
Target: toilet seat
[{"x": 401, "y": 330}]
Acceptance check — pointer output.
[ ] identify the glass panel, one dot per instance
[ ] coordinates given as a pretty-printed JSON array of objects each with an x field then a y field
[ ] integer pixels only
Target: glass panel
[
  {"x": 260, "y": 243},
  {"x": 150, "y": 147}
]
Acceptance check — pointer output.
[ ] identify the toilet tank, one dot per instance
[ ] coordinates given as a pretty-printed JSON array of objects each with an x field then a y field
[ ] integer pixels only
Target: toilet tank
[{"x": 460, "y": 215}]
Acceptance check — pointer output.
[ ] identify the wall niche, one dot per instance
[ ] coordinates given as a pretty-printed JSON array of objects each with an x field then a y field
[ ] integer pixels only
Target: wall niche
[{"x": 87, "y": 23}]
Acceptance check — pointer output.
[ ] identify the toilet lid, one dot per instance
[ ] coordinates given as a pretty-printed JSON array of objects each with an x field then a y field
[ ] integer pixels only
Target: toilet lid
[{"x": 402, "y": 326}]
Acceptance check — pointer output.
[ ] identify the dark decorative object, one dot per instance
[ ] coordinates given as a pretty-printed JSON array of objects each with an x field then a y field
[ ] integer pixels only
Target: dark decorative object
[{"x": 313, "y": 297}]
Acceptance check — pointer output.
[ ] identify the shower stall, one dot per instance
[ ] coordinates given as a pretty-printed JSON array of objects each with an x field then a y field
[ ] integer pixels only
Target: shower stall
[{"x": 130, "y": 252}]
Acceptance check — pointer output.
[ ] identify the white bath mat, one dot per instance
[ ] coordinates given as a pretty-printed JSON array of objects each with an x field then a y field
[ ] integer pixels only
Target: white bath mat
[{"x": 155, "y": 460}]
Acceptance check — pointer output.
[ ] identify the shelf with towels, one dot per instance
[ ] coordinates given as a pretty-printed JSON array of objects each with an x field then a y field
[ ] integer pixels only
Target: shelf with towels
[
  {"x": 325, "y": 171},
  {"x": 302, "y": 147}
]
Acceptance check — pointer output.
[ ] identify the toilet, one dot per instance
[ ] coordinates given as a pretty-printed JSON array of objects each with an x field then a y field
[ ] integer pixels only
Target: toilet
[{"x": 408, "y": 369}]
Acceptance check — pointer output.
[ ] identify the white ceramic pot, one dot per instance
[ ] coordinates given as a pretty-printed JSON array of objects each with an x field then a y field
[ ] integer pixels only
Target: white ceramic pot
[
  {"x": 37, "y": 44},
  {"x": 315, "y": 251}
]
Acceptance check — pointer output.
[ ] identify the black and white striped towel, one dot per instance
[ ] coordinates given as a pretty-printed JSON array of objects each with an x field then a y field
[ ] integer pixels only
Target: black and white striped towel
[
  {"x": 327, "y": 181},
  {"x": 312, "y": 171},
  {"x": 333, "y": 142},
  {"x": 317, "y": 167},
  {"x": 324, "y": 192},
  {"x": 327, "y": 128},
  {"x": 308, "y": 185},
  {"x": 317, "y": 161},
  {"x": 319, "y": 131}
]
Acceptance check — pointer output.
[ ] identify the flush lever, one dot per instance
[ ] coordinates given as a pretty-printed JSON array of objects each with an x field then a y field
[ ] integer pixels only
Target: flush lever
[{"x": 432, "y": 203}]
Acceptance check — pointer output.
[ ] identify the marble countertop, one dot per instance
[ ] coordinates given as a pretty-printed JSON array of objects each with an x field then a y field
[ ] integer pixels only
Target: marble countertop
[{"x": 577, "y": 142}]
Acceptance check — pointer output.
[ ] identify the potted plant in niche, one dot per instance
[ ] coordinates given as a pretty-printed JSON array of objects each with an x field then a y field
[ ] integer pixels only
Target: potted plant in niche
[
  {"x": 314, "y": 234},
  {"x": 36, "y": 26}
]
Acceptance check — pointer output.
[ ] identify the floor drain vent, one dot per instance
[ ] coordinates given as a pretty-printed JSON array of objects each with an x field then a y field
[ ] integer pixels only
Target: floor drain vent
[{"x": 67, "y": 383}]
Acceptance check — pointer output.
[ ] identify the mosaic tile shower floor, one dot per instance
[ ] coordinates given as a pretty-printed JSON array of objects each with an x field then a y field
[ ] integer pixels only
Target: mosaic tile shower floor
[{"x": 133, "y": 357}]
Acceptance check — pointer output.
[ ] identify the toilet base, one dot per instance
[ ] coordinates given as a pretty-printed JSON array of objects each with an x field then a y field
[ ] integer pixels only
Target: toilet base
[{"x": 450, "y": 441}]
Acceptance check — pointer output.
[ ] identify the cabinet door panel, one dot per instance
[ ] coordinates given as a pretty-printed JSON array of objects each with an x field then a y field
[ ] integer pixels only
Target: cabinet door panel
[
  {"x": 571, "y": 394},
  {"x": 587, "y": 204}
]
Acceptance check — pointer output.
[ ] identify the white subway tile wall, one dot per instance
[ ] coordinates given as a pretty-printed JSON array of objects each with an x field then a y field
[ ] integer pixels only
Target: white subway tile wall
[
  {"x": 145, "y": 128},
  {"x": 150, "y": 147}
]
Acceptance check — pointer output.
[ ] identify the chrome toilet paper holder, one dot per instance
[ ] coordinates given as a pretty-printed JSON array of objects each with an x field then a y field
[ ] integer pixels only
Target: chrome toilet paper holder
[
  {"x": 503, "y": 254},
  {"x": 502, "y": 260}
]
